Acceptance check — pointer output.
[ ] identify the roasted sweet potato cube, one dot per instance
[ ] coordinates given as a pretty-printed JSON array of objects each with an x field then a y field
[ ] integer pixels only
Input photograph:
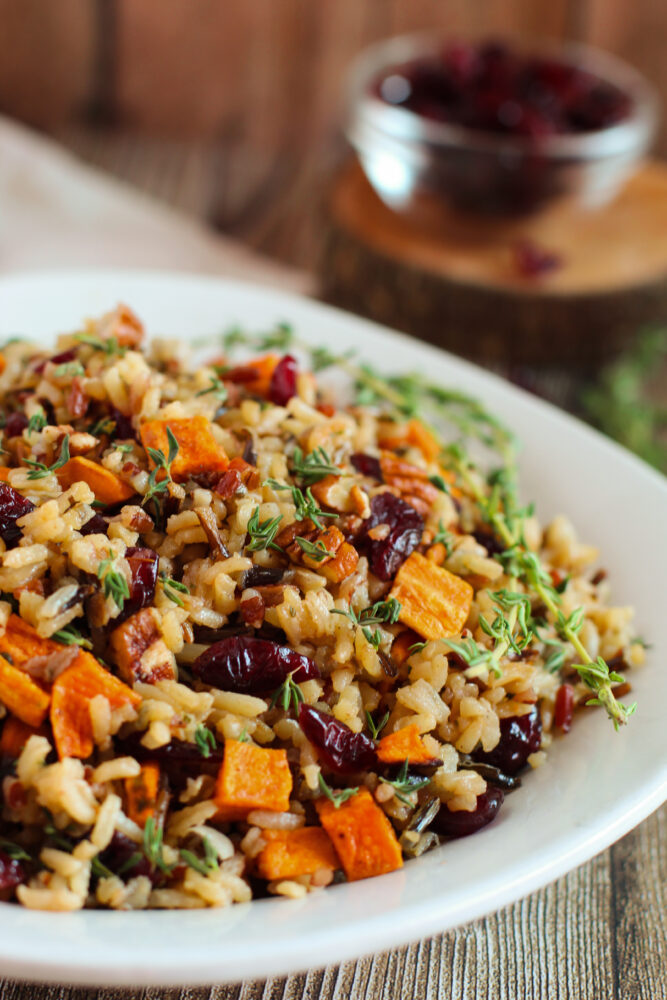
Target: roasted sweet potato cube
[
  {"x": 106, "y": 485},
  {"x": 290, "y": 853},
  {"x": 141, "y": 793},
  {"x": 404, "y": 744},
  {"x": 434, "y": 602},
  {"x": 250, "y": 778},
  {"x": 402, "y": 644},
  {"x": 22, "y": 695},
  {"x": 15, "y": 734},
  {"x": 20, "y": 642},
  {"x": 362, "y": 835},
  {"x": 70, "y": 703},
  {"x": 255, "y": 375},
  {"x": 139, "y": 650},
  {"x": 199, "y": 454}
]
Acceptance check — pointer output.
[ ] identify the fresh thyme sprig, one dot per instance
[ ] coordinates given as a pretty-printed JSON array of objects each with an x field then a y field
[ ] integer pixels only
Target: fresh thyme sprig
[
  {"x": 506, "y": 518},
  {"x": 314, "y": 550},
  {"x": 157, "y": 487},
  {"x": 204, "y": 865},
  {"x": 380, "y": 613},
  {"x": 313, "y": 467},
  {"x": 153, "y": 846},
  {"x": 37, "y": 422},
  {"x": 375, "y": 728},
  {"x": 38, "y": 470},
  {"x": 337, "y": 797},
  {"x": 114, "y": 583},
  {"x": 69, "y": 369},
  {"x": 263, "y": 533},
  {"x": 404, "y": 784},
  {"x": 71, "y": 636},
  {"x": 444, "y": 537},
  {"x": 205, "y": 740},
  {"x": 304, "y": 501},
  {"x": 173, "y": 589},
  {"x": 288, "y": 694},
  {"x": 217, "y": 389},
  {"x": 110, "y": 345}
]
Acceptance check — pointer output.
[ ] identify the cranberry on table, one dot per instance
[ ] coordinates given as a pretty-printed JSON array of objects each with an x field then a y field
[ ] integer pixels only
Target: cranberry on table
[
  {"x": 12, "y": 507},
  {"x": 564, "y": 707},
  {"x": 249, "y": 665},
  {"x": 341, "y": 749},
  {"x": 12, "y": 872},
  {"x": 520, "y": 735},
  {"x": 463, "y": 823},
  {"x": 406, "y": 525},
  {"x": 283, "y": 381}
]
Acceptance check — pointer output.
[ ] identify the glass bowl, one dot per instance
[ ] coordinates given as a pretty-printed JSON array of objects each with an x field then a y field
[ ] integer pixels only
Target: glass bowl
[{"x": 418, "y": 165}]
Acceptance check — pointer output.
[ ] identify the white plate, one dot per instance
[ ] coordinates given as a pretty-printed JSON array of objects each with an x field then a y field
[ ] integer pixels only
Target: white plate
[{"x": 595, "y": 786}]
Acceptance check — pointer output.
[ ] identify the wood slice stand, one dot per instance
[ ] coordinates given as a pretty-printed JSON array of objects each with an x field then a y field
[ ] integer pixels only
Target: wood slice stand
[{"x": 458, "y": 285}]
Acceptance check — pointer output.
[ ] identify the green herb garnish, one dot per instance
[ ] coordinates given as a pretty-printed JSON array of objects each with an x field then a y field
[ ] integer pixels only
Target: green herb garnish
[
  {"x": 114, "y": 583},
  {"x": 376, "y": 728},
  {"x": 263, "y": 533},
  {"x": 173, "y": 589},
  {"x": 162, "y": 464},
  {"x": 37, "y": 422},
  {"x": 404, "y": 784},
  {"x": 71, "y": 636},
  {"x": 153, "y": 846},
  {"x": 205, "y": 740},
  {"x": 217, "y": 388},
  {"x": 305, "y": 503},
  {"x": 288, "y": 694},
  {"x": 38, "y": 470},
  {"x": 337, "y": 797},
  {"x": 314, "y": 550},
  {"x": 313, "y": 467}
]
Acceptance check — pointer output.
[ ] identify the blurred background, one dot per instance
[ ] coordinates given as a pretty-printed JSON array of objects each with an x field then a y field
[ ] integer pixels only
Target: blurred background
[{"x": 230, "y": 110}]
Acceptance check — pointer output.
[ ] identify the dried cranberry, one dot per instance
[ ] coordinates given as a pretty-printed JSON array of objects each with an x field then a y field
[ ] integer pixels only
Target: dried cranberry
[
  {"x": 462, "y": 823},
  {"x": 120, "y": 852},
  {"x": 491, "y": 543},
  {"x": 564, "y": 707},
  {"x": 367, "y": 465},
  {"x": 251, "y": 666},
  {"x": 12, "y": 507},
  {"x": 261, "y": 576},
  {"x": 56, "y": 359},
  {"x": 534, "y": 261},
  {"x": 12, "y": 872},
  {"x": 124, "y": 428},
  {"x": 15, "y": 424},
  {"x": 97, "y": 525},
  {"x": 406, "y": 525},
  {"x": 283, "y": 381},
  {"x": 338, "y": 747},
  {"x": 143, "y": 565},
  {"x": 520, "y": 735}
]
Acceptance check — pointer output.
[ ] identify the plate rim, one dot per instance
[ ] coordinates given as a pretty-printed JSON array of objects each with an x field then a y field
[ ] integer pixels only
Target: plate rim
[{"x": 339, "y": 945}]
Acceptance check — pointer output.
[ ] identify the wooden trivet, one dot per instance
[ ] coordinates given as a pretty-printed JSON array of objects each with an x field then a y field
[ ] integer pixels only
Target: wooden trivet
[{"x": 460, "y": 285}]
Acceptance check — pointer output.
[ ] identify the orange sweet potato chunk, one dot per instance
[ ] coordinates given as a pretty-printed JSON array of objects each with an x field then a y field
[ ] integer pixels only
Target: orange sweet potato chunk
[
  {"x": 254, "y": 375},
  {"x": 250, "y": 778},
  {"x": 434, "y": 602},
  {"x": 4, "y": 474},
  {"x": 362, "y": 835},
  {"x": 71, "y": 695},
  {"x": 198, "y": 450},
  {"x": 106, "y": 485},
  {"x": 20, "y": 642},
  {"x": 15, "y": 734},
  {"x": 290, "y": 853},
  {"x": 141, "y": 793},
  {"x": 22, "y": 695},
  {"x": 404, "y": 744}
]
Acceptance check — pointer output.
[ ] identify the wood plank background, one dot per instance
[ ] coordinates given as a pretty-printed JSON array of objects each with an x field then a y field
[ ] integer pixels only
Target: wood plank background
[{"x": 257, "y": 84}]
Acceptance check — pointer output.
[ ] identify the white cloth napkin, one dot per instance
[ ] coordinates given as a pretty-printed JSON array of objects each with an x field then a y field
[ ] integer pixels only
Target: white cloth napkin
[{"x": 56, "y": 212}]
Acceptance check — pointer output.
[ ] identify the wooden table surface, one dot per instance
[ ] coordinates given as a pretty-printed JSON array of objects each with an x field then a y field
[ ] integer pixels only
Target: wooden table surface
[{"x": 600, "y": 932}]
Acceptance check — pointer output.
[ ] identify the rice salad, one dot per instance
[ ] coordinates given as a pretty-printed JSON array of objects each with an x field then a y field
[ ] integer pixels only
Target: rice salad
[{"x": 270, "y": 623}]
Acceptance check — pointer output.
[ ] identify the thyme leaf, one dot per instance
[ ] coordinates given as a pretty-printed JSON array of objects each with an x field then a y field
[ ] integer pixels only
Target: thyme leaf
[
  {"x": 263, "y": 533},
  {"x": 38, "y": 470},
  {"x": 205, "y": 740},
  {"x": 304, "y": 501},
  {"x": 338, "y": 796},
  {"x": 114, "y": 583},
  {"x": 313, "y": 467},
  {"x": 288, "y": 694},
  {"x": 173, "y": 589},
  {"x": 404, "y": 784}
]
